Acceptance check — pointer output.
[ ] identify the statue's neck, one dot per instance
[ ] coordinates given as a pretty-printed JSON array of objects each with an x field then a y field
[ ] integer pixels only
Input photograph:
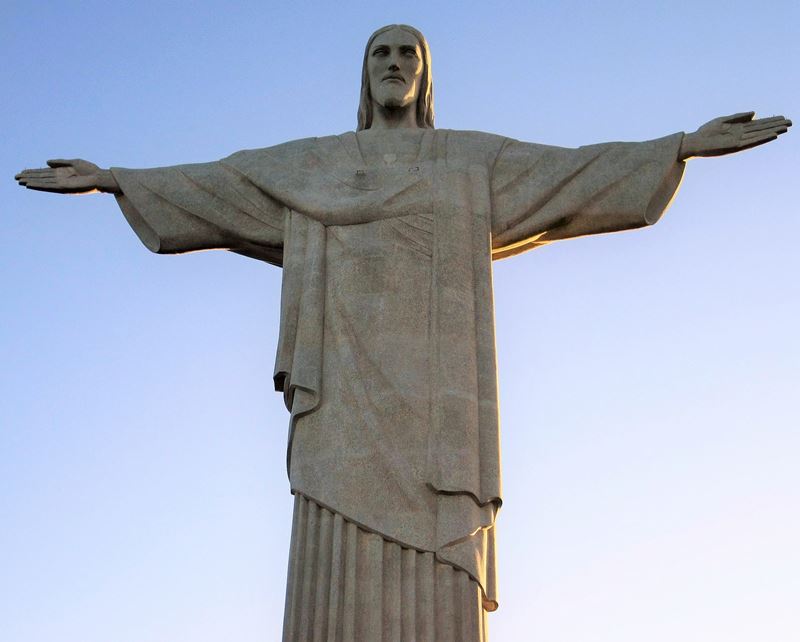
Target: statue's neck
[{"x": 394, "y": 117}]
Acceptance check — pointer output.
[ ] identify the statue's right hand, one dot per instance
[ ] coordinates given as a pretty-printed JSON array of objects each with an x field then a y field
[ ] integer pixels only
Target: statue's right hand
[{"x": 76, "y": 176}]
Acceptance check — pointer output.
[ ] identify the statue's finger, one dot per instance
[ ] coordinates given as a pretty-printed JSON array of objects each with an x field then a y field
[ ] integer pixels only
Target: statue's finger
[
  {"x": 764, "y": 132},
  {"x": 38, "y": 172},
  {"x": 772, "y": 131},
  {"x": 757, "y": 140},
  {"x": 41, "y": 187},
  {"x": 741, "y": 117},
  {"x": 41, "y": 183},
  {"x": 765, "y": 128},
  {"x": 59, "y": 162},
  {"x": 766, "y": 123},
  {"x": 770, "y": 119}
]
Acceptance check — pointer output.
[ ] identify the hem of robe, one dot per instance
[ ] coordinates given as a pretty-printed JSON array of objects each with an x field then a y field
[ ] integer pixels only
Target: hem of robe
[
  {"x": 347, "y": 584},
  {"x": 487, "y": 603}
]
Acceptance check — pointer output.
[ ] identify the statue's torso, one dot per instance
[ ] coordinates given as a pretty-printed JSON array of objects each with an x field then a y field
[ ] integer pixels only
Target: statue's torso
[{"x": 371, "y": 429}]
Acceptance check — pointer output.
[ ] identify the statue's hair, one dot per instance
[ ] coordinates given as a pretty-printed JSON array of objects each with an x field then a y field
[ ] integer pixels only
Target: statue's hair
[{"x": 425, "y": 98}]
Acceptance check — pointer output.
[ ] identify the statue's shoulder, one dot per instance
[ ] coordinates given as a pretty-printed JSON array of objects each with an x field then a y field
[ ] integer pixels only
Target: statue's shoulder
[
  {"x": 289, "y": 150},
  {"x": 470, "y": 137},
  {"x": 306, "y": 153},
  {"x": 473, "y": 146}
]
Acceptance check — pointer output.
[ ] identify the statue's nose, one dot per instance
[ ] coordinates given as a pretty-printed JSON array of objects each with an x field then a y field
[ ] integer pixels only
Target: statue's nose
[{"x": 393, "y": 67}]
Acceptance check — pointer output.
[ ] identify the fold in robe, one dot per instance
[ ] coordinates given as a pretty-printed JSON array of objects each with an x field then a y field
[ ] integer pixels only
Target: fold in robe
[{"x": 386, "y": 355}]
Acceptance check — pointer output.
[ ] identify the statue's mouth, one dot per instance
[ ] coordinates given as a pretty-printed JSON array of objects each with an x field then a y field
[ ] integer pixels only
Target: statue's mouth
[{"x": 400, "y": 78}]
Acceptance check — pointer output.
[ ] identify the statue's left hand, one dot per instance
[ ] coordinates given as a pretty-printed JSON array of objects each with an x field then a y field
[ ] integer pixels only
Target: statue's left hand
[{"x": 730, "y": 134}]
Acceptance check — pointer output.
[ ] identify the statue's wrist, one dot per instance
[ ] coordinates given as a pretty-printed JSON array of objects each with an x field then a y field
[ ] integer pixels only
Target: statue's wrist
[
  {"x": 684, "y": 152},
  {"x": 107, "y": 183},
  {"x": 689, "y": 147}
]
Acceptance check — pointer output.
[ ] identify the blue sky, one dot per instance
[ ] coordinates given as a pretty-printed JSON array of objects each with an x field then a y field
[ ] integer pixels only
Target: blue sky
[{"x": 649, "y": 380}]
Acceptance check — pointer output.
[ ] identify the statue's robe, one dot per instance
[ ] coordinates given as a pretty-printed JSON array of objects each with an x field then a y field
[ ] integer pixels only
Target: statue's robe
[{"x": 386, "y": 355}]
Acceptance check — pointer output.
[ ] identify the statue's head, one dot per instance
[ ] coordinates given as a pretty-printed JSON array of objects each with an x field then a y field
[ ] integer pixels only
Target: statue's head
[{"x": 412, "y": 68}]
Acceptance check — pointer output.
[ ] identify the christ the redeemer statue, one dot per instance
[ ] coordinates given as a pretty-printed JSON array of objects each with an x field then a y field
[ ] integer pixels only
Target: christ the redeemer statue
[{"x": 386, "y": 355}]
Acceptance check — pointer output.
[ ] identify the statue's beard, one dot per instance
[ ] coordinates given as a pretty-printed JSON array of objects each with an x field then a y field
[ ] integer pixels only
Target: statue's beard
[{"x": 395, "y": 102}]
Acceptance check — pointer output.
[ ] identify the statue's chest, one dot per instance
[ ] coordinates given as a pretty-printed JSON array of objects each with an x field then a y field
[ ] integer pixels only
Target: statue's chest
[{"x": 348, "y": 181}]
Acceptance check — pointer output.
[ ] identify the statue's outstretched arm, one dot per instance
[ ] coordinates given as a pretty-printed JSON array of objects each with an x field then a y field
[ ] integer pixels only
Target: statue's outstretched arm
[
  {"x": 75, "y": 176},
  {"x": 730, "y": 134}
]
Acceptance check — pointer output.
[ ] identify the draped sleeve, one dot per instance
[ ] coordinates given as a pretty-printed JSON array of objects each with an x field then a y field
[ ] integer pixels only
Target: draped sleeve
[
  {"x": 542, "y": 193},
  {"x": 202, "y": 206}
]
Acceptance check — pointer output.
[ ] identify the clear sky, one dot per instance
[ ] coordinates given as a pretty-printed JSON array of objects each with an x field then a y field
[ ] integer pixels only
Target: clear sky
[{"x": 649, "y": 380}]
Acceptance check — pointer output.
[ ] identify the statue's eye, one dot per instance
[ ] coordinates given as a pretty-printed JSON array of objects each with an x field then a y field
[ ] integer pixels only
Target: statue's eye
[{"x": 380, "y": 51}]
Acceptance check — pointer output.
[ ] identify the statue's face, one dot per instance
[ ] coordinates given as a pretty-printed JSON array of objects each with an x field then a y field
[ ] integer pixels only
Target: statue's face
[{"x": 395, "y": 66}]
